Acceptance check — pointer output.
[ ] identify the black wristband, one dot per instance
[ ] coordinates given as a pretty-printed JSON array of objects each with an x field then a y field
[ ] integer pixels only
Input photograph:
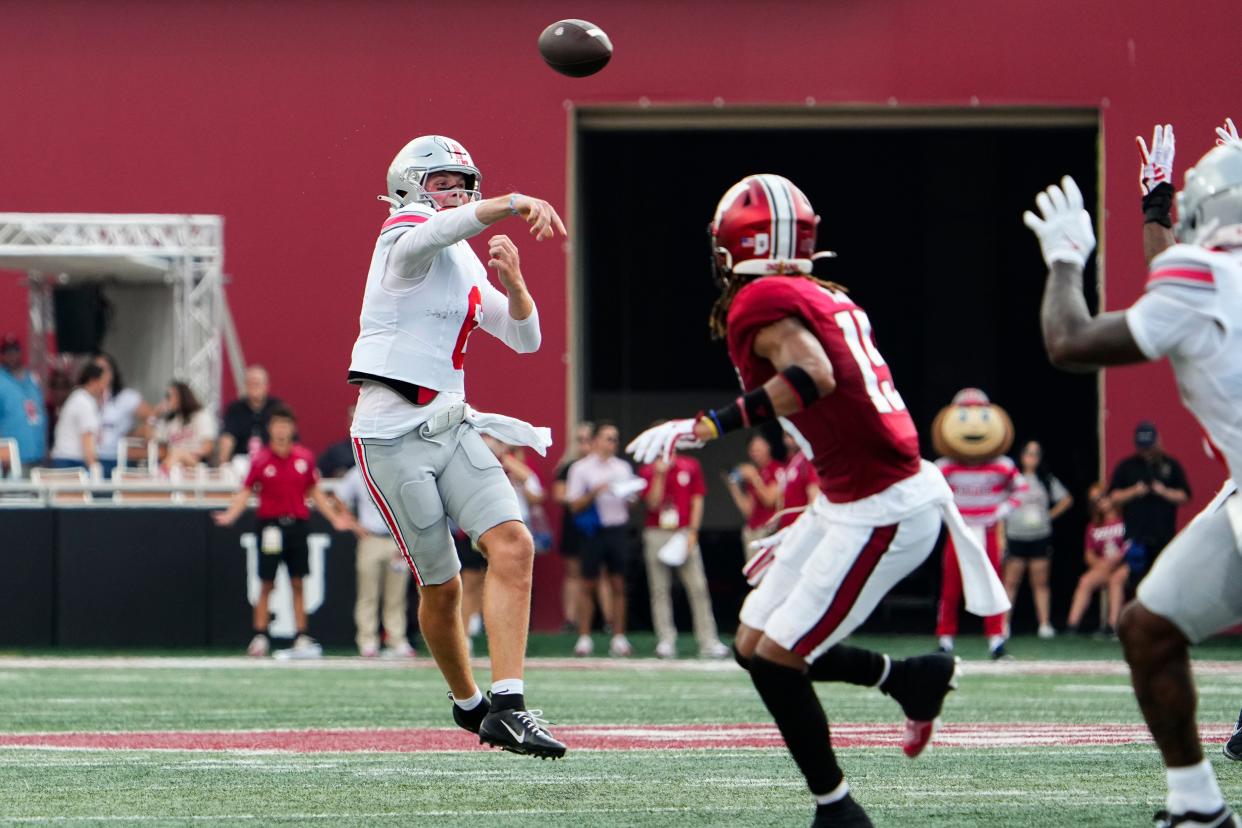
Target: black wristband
[
  {"x": 750, "y": 409},
  {"x": 1158, "y": 205},
  {"x": 802, "y": 384}
]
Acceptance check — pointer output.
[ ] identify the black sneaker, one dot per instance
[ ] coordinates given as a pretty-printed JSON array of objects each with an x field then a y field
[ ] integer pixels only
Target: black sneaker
[
  {"x": 1233, "y": 747},
  {"x": 1221, "y": 818},
  {"x": 844, "y": 813},
  {"x": 921, "y": 688},
  {"x": 520, "y": 731},
  {"x": 470, "y": 719}
]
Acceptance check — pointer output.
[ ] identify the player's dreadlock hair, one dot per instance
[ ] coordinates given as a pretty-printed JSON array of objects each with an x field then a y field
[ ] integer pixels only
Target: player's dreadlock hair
[{"x": 731, "y": 283}]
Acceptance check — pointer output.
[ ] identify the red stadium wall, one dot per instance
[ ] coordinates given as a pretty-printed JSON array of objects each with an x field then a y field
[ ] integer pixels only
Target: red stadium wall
[{"x": 281, "y": 116}]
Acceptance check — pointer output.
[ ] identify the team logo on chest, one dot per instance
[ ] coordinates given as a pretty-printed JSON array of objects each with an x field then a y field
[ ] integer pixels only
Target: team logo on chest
[{"x": 300, "y": 466}]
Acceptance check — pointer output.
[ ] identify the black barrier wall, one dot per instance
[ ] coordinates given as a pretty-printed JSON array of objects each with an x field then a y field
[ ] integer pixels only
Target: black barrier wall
[
  {"x": 159, "y": 577},
  {"x": 27, "y": 577}
]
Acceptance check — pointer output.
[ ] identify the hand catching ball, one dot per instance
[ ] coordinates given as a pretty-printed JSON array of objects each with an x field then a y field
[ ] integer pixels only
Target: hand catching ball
[{"x": 575, "y": 48}]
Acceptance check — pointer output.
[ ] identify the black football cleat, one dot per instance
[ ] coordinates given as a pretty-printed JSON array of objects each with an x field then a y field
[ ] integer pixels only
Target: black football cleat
[
  {"x": 471, "y": 719},
  {"x": 844, "y": 813},
  {"x": 520, "y": 731},
  {"x": 925, "y": 681},
  {"x": 1220, "y": 818},
  {"x": 1233, "y": 748}
]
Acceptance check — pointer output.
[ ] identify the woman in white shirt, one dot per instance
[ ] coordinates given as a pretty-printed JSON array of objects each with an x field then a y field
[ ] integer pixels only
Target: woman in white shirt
[
  {"x": 185, "y": 430},
  {"x": 75, "y": 442},
  {"x": 122, "y": 409}
]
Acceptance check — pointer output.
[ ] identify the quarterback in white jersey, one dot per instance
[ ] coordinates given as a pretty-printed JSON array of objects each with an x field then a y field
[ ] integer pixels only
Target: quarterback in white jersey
[
  {"x": 418, "y": 444},
  {"x": 1190, "y": 312}
]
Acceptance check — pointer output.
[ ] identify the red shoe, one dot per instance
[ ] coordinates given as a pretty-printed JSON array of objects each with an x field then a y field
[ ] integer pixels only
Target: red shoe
[{"x": 917, "y": 736}]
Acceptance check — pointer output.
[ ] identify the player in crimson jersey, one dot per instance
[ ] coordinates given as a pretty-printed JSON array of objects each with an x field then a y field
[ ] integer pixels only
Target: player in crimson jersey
[
  {"x": 1190, "y": 312},
  {"x": 804, "y": 352},
  {"x": 418, "y": 444}
]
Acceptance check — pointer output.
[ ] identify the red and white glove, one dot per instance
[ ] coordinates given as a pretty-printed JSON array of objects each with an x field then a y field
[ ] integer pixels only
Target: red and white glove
[
  {"x": 1064, "y": 231},
  {"x": 659, "y": 441},
  {"x": 1228, "y": 134},
  {"x": 1156, "y": 164}
]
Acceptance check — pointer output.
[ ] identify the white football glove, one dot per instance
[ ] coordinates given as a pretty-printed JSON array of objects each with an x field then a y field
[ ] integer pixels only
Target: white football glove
[
  {"x": 1228, "y": 134},
  {"x": 1064, "y": 231},
  {"x": 1156, "y": 165},
  {"x": 659, "y": 441}
]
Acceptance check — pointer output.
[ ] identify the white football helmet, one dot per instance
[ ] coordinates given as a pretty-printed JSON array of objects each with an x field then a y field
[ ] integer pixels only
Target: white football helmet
[
  {"x": 424, "y": 155},
  {"x": 1209, "y": 207}
]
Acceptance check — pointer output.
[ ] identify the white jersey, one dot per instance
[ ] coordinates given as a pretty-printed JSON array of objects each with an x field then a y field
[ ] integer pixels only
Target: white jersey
[
  {"x": 1191, "y": 312},
  {"x": 426, "y": 292}
]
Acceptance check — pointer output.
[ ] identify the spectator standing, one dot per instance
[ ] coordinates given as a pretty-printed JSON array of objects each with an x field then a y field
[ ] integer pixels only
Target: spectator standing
[
  {"x": 121, "y": 412},
  {"x": 338, "y": 458},
  {"x": 596, "y": 488},
  {"x": 246, "y": 419},
  {"x": 284, "y": 475},
  {"x": 798, "y": 480},
  {"x": 674, "y": 501},
  {"x": 23, "y": 416},
  {"x": 571, "y": 538},
  {"x": 1028, "y": 533},
  {"x": 185, "y": 430},
  {"x": 1105, "y": 555},
  {"x": 383, "y": 575},
  {"x": 756, "y": 491},
  {"x": 1148, "y": 486},
  {"x": 76, "y": 441}
]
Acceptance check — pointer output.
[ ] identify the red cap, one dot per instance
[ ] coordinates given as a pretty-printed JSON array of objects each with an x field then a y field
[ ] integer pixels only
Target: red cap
[{"x": 968, "y": 397}]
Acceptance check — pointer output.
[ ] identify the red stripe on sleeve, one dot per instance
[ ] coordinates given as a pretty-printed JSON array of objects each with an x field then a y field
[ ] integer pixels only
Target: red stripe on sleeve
[
  {"x": 1190, "y": 274},
  {"x": 406, "y": 219}
]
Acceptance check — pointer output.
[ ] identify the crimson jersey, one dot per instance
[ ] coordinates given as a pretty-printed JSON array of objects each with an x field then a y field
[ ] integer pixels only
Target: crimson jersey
[
  {"x": 862, "y": 436},
  {"x": 282, "y": 482}
]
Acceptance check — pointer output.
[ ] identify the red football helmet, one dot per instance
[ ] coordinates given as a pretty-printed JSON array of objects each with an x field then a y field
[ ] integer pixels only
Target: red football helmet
[{"x": 764, "y": 226}]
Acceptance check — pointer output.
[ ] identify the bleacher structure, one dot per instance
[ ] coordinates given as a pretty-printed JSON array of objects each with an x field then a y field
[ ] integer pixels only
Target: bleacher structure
[{"x": 164, "y": 275}]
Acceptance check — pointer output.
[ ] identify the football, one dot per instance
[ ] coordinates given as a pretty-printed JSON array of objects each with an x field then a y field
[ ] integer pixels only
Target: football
[{"x": 575, "y": 48}]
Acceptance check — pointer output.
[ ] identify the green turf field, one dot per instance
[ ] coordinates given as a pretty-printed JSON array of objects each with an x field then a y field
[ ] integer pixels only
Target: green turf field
[{"x": 1050, "y": 784}]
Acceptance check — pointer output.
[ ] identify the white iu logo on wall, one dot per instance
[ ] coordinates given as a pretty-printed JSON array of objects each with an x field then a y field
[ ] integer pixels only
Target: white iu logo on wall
[{"x": 280, "y": 602}]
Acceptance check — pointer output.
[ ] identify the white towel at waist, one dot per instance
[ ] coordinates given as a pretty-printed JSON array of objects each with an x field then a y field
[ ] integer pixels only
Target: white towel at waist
[
  {"x": 511, "y": 430},
  {"x": 985, "y": 594}
]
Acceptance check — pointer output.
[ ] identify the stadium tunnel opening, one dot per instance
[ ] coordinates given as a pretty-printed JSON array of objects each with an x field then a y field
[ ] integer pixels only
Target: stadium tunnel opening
[{"x": 925, "y": 216}]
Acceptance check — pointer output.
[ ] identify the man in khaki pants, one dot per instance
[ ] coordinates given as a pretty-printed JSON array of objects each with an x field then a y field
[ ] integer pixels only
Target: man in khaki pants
[
  {"x": 382, "y": 573},
  {"x": 674, "y": 500}
]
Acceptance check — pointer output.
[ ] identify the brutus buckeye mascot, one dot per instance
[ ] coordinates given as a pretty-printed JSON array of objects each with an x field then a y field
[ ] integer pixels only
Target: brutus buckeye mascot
[{"x": 971, "y": 436}]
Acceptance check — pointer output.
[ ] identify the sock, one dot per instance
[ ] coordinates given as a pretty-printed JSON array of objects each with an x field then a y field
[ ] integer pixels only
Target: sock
[
  {"x": 946, "y": 642},
  {"x": 1194, "y": 788},
  {"x": 744, "y": 663},
  {"x": 470, "y": 703},
  {"x": 995, "y": 641},
  {"x": 852, "y": 665},
  {"x": 790, "y": 698},
  {"x": 835, "y": 795},
  {"x": 508, "y": 686},
  {"x": 507, "y": 694}
]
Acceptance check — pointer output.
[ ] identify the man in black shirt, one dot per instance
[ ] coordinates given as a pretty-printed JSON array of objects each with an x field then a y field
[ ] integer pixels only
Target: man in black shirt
[
  {"x": 246, "y": 418},
  {"x": 1149, "y": 486}
]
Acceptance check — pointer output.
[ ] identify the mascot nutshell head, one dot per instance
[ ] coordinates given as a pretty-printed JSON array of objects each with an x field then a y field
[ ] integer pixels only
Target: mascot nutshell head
[{"x": 972, "y": 429}]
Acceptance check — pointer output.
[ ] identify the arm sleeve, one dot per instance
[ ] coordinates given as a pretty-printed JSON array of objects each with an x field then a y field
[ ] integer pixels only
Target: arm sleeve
[
  {"x": 1179, "y": 478},
  {"x": 522, "y": 336},
  {"x": 757, "y": 305},
  {"x": 1059, "y": 492},
  {"x": 425, "y": 234}
]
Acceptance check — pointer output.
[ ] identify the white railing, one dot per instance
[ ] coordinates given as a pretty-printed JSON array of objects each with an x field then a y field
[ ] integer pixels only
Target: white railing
[{"x": 202, "y": 488}]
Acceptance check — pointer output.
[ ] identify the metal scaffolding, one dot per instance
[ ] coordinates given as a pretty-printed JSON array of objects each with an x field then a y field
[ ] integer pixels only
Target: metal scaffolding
[{"x": 184, "y": 254}]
